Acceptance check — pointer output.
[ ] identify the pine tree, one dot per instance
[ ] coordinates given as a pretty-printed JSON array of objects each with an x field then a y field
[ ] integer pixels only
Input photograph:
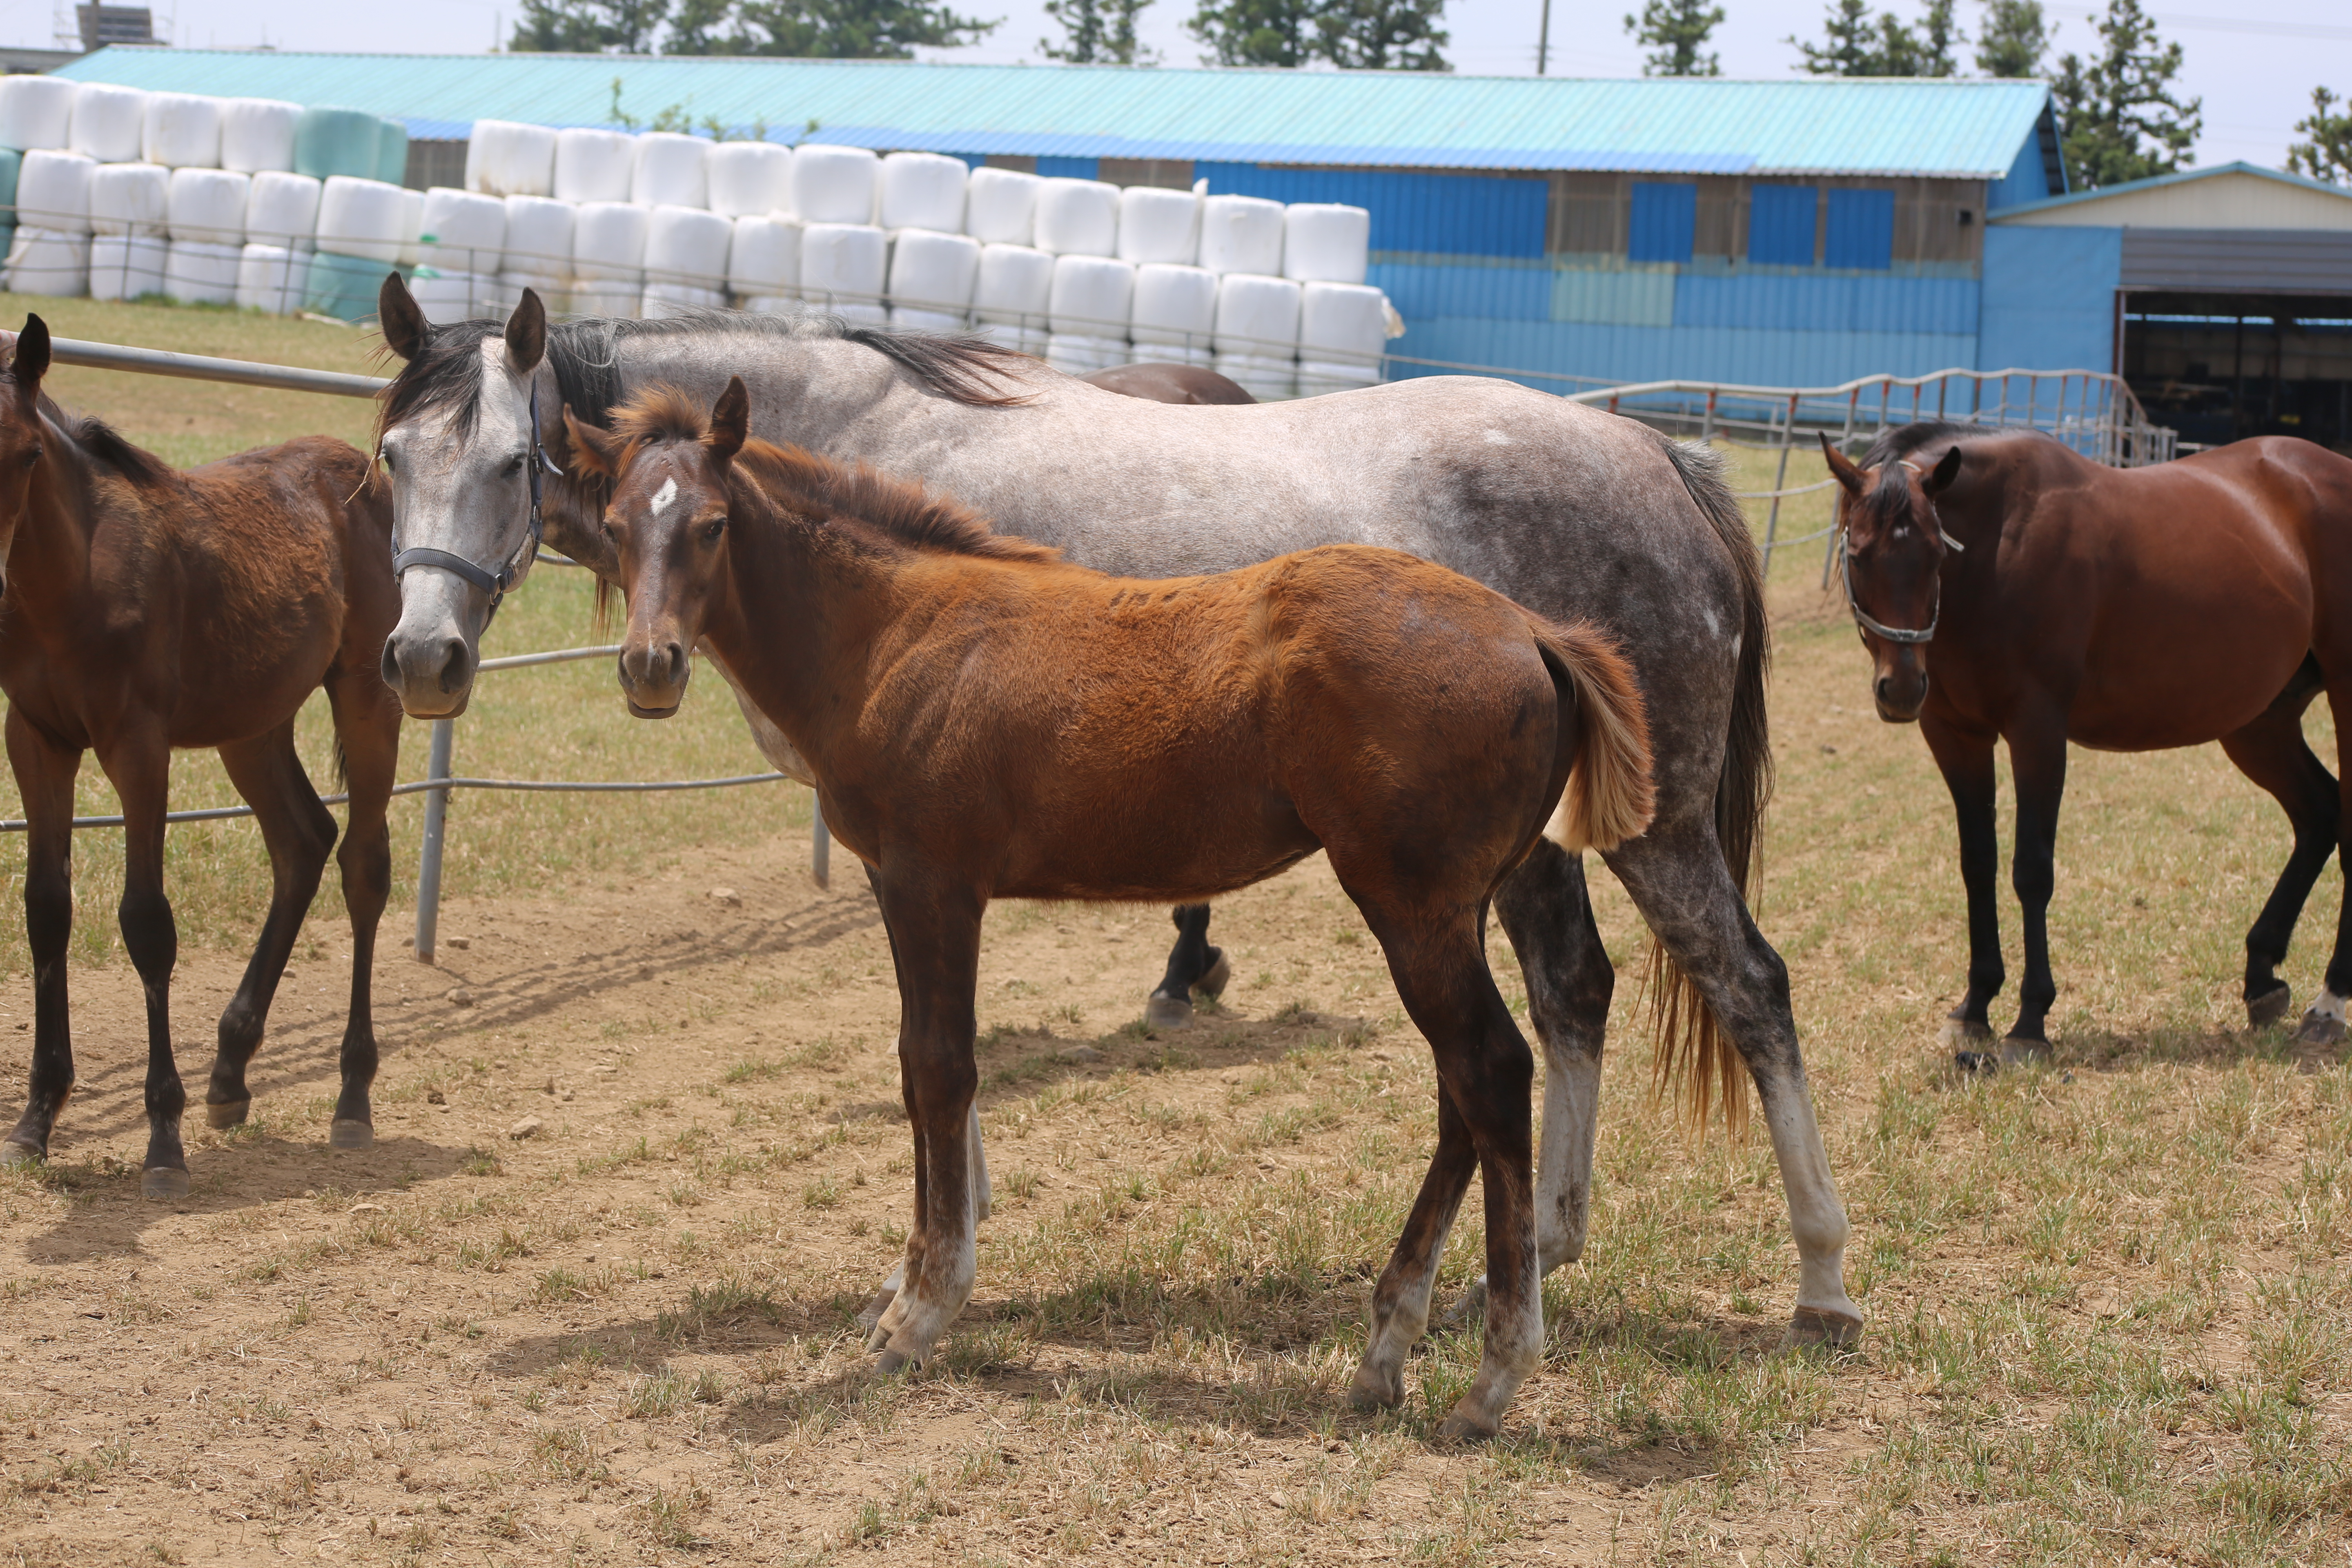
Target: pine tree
[
  {"x": 2118, "y": 117},
  {"x": 588, "y": 26},
  {"x": 2328, "y": 154},
  {"x": 1853, "y": 43},
  {"x": 1676, "y": 30},
  {"x": 1097, "y": 32},
  {"x": 1383, "y": 35},
  {"x": 2014, "y": 40},
  {"x": 1848, "y": 45},
  {"x": 694, "y": 29},
  {"x": 1257, "y": 32},
  {"x": 851, "y": 29}
]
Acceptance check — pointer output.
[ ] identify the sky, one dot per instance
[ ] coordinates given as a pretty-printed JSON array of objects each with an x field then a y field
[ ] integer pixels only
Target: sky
[{"x": 2254, "y": 71}]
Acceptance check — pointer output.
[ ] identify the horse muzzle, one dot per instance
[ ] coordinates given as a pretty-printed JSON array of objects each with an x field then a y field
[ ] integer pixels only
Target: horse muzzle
[
  {"x": 432, "y": 675},
  {"x": 1900, "y": 693},
  {"x": 653, "y": 672}
]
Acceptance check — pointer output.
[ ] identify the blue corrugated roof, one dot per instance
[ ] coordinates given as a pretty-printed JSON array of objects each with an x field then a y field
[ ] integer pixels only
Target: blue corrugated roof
[{"x": 1382, "y": 118}]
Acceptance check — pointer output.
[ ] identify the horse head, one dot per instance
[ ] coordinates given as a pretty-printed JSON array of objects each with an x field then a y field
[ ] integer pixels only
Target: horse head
[
  {"x": 1892, "y": 548},
  {"x": 461, "y": 441},
  {"x": 21, "y": 445}
]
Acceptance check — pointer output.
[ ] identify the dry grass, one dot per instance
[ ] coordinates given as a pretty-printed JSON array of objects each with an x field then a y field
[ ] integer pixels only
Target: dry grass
[{"x": 2109, "y": 1315}]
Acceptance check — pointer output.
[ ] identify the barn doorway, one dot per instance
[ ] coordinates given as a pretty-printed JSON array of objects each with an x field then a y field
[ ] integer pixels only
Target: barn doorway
[{"x": 2218, "y": 367}]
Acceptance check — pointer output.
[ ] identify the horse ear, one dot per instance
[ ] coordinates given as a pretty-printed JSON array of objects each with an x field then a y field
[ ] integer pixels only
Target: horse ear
[
  {"x": 730, "y": 420},
  {"x": 1946, "y": 471},
  {"x": 401, "y": 317},
  {"x": 593, "y": 451},
  {"x": 527, "y": 334},
  {"x": 32, "y": 361},
  {"x": 1842, "y": 467}
]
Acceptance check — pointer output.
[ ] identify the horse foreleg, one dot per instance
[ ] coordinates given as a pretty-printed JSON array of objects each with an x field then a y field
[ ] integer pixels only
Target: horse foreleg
[
  {"x": 367, "y": 722},
  {"x": 1967, "y": 763},
  {"x": 45, "y": 781},
  {"x": 2038, "y": 758},
  {"x": 1192, "y": 965},
  {"x": 299, "y": 833},
  {"x": 140, "y": 768},
  {"x": 2271, "y": 751},
  {"x": 935, "y": 941}
]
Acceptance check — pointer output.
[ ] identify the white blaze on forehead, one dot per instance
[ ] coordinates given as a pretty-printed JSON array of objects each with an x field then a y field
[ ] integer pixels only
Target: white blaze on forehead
[{"x": 664, "y": 496}]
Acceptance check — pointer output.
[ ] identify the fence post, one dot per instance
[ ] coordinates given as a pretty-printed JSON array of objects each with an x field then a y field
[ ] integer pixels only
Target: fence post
[
  {"x": 1706, "y": 424},
  {"x": 428, "y": 863},
  {"x": 820, "y": 844},
  {"x": 1780, "y": 483}
]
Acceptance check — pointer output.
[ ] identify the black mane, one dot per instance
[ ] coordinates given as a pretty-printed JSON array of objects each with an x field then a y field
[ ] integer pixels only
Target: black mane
[
  {"x": 107, "y": 447},
  {"x": 1899, "y": 441},
  {"x": 445, "y": 376}
]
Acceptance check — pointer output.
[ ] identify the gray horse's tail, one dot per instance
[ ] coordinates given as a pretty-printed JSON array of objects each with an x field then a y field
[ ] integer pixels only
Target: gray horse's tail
[{"x": 1691, "y": 1044}]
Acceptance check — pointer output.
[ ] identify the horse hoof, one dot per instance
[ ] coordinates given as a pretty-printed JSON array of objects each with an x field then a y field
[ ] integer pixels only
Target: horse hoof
[
  {"x": 1370, "y": 1391},
  {"x": 163, "y": 1183},
  {"x": 2018, "y": 1053},
  {"x": 2318, "y": 1029},
  {"x": 15, "y": 1153},
  {"x": 353, "y": 1135},
  {"x": 2270, "y": 1007},
  {"x": 1811, "y": 1326},
  {"x": 1461, "y": 1428},
  {"x": 1470, "y": 1308},
  {"x": 873, "y": 1312},
  {"x": 1984, "y": 1062},
  {"x": 1168, "y": 1013},
  {"x": 1959, "y": 1033},
  {"x": 891, "y": 1362},
  {"x": 1216, "y": 978},
  {"x": 227, "y": 1113}
]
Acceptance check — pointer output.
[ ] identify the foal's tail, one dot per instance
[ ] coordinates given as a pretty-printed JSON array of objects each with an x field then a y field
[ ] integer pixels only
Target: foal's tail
[
  {"x": 1691, "y": 1044},
  {"x": 1609, "y": 795}
]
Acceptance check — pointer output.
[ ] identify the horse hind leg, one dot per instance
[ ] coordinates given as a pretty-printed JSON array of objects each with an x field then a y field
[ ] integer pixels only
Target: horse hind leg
[
  {"x": 2324, "y": 1021},
  {"x": 45, "y": 781},
  {"x": 2271, "y": 751},
  {"x": 1192, "y": 965}
]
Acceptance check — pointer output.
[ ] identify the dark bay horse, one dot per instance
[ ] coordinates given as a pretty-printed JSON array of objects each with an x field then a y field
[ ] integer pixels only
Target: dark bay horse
[
  {"x": 144, "y": 610},
  {"x": 1179, "y": 384},
  {"x": 2009, "y": 589},
  {"x": 987, "y": 722},
  {"x": 1577, "y": 514}
]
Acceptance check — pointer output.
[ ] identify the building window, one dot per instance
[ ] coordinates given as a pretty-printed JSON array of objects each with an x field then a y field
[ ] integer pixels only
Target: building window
[
  {"x": 1861, "y": 230},
  {"x": 1665, "y": 219},
  {"x": 1781, "y": 224}
]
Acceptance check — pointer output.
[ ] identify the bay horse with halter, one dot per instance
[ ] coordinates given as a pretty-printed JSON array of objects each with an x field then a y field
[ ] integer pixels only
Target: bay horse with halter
[
  {"x": 987, "y": 722},
  {"x": 1577, "y": 514},
  {"x": 2009, "y": 588},
  {"x": 144, "y": 610}
]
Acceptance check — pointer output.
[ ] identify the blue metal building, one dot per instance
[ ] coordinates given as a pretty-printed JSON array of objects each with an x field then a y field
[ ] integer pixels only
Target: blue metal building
[{"x": 1796, "y": 232}]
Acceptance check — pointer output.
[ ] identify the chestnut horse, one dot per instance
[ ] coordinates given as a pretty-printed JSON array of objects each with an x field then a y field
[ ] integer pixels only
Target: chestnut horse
[
  {"x": 144, "y": 609},
  {"x": 985, "y": 721},
  {"x": 2009, "y": 589},
  {"x": 1177, "y": 383}
]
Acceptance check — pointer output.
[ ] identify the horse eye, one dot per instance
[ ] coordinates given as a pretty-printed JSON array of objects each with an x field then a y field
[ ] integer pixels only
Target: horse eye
[
  {"x": 384, "y": 457},
  {"x": 716, "y": 527},
  {"x": 514, "y": 464},
  {"x": 32, "y": 455}
]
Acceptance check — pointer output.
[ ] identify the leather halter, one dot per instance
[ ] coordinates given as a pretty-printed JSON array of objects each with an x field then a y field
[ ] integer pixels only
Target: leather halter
[
  {"x": 512, "y": 564},
  {"x": 1878, "y": 628}
]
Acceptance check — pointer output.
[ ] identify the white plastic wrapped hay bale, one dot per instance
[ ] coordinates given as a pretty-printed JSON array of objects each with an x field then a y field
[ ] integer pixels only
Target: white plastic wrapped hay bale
[
  {"x": 110, "y": 124},
  {"x": 131, "y": 199},
  {"x": 271, "y": 279},
  {"x": 506, "y": 159},
  {"x": 664, "y": 299},
  {"x": 464, "y": 232},
  {"x": 446, "y": 297},
  {"x": 749, "y": 179},
  {"x": 281, "y": 208},
  {"x": 1076, "y": 354},
  {"x": 1325, "y": 242},
  {"x": 48, "y": 262},
  {"x": 1241, "y": 234},
  {"x": 126, "y": 266},
  {"x": 1011, "y": 295},
  {"x": 686, "y": 248},
  {"x": 1264, "y": 376},
  {"x": 365, "y": 220},
  {"x": 608, "y": 298},
  {"x": 842, "y": 268},
  {"x": 200, "y": 273},
  {"x": 923, "y": 190},
  {"x": 595, "y": 165},
  {"x": 1078, "y": 217},
  {"x": 53, "y": 190},
  {"x": 1342, "y": 332},
  {"x": 764, "y": 259},
  {"x": 834, "y": 184},
  {"x": 608, "y": 243},
  {"x": 1000, "y": 207},
  {"x": 36, "y": 111},
  {"x": 934, "y": 273},
  {"x": 669, "y": 171},
  {"x": 182, "y": 131},
  {"x": 539, "y": 236},
  {"x": 412, "y": 227},
  {"x": 1093, "y": 296},
  {"x": 207, "y": 207},
  {"x": 1159, "y": 226},
  {"x": 1175, "y": 312},
  {"x": 555, "y": 292},
  {"x": 1257, "y": 315},
  {"x": 256, "y": 134}
]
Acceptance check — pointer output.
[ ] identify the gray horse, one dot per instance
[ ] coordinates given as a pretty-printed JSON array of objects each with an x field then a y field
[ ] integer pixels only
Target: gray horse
[{"x": 1576, "y": 515}]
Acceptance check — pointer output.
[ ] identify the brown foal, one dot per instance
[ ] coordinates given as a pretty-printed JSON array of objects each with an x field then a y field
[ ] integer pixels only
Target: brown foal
[
  {"x": 143, "y": 609},
  {"x": 987, "y": 722}
]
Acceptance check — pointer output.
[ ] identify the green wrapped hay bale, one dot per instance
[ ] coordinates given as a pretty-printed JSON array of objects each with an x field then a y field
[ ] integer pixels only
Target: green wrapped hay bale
[
  {"x": 329, "y": 142},
  {"x": 391, "y": 152},
  {"x": 345, "y": 287},
  {"x": 10, "y": 161}
]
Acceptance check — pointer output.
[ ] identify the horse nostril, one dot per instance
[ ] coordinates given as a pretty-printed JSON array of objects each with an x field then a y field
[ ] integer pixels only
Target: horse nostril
[
  {"x": 390, "y": 666},
  {"x": 454, "y": 670},
  {"x": 1886, "y": 689},
  {"x": 676, "y": 658}
]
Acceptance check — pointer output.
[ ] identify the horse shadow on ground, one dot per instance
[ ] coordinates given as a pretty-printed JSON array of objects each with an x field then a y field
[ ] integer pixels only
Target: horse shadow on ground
[{"x": 2115, "y": 1050}]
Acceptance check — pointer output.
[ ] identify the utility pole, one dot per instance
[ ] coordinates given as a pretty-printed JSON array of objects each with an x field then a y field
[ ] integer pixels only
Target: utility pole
[{"x": 1543, "y": 40}]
